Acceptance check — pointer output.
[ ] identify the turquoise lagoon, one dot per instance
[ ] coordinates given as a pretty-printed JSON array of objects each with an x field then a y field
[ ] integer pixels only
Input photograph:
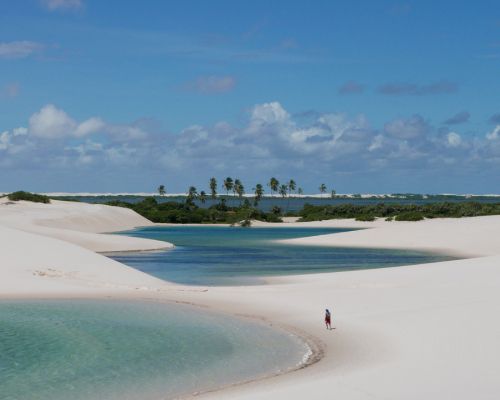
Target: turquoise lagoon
[
  {"x": 221, "y": 255},
  {"x": 97, "y": 349},
  {"x": 86, "y": 349}
]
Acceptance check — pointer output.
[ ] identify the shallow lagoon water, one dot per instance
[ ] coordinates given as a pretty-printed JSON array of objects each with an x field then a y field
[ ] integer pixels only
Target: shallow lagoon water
[
  {"x": 86, "y": 349},
  {"x": 213, "y": 255}
]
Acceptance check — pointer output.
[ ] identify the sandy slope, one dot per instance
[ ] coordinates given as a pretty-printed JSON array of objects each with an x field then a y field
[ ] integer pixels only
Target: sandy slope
[
  {"x": 428, "y": 331},
  {"x": 78, "y": 223},
  {"x": 467, "y": 237},
  {"x": 49, "y": 249}
]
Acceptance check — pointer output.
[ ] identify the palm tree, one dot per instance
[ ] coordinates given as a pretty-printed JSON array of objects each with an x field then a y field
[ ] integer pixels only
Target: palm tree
[
  {"x": 322, "y": 189},
  {"x": 202, "y": 196},
  {"x": 239, "y": 189},
  {"x": 334, "y": 193},
  {"x": 192, "y": 193},
  {"x": 161, "y": 190},
  {"x": 300, "y": 191},
  {"x": 291, "y": 186},
  {"x": 213, "y": 188},
  {"x": 236, "y": 185},
  {"x": 258, "y": 191},
  {"x": 228, "y": 184},
  {"x": 283, "y": 190},
  {"x": 274, "y": 185}
]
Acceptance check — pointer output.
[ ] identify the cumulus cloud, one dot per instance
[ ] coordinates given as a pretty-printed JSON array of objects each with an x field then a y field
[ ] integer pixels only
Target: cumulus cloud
[
  {"x": 412, "y": 89},
  {"x": 407, "y": 128},
  {"x": 494, "y": 134},
  {"x": 54, "y": 5},
  {"x": 453, "y": 139},
  {"x": 458, "y": 118},
  {"x": 10, "y": 141},
  {"x": 19, "y": 49},
  {"x": 271, "y": 139},
  {"x": 91, "y": 125},
  {"x": 51, "y": 122},
  {"x": 211, "y": 84},
  {"x": 351, "y": 87},
  {"x": 54, "y": 123},
  {"x": 4, "y": 140}
]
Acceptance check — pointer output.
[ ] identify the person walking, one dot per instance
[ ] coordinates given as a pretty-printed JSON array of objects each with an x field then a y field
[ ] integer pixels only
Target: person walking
[{"x": 328, "y": 319}]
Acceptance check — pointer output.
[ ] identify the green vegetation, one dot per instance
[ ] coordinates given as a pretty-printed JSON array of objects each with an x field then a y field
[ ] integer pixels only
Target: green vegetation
[
  {"x": 161, "y": 190},
  {"x": 27, "y": 196},
  {"x": 410, "y": 216},
  {"x": 188, "y": 212},
  {"x": 399, "y": 212}
]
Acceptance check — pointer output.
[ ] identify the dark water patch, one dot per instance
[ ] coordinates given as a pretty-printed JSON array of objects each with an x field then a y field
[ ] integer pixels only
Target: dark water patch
[{"x": 207, "y": 255}]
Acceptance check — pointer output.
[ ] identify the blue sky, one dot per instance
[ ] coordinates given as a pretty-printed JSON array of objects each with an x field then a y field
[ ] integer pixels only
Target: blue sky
[{"x": 385, "y": 96}]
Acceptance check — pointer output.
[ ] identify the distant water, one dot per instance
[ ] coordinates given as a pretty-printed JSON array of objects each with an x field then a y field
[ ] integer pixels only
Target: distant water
[
  {"x": 297, "y": 203},
  {"x": 208, "y": 255},
  {"x": 116, "y": 350}
]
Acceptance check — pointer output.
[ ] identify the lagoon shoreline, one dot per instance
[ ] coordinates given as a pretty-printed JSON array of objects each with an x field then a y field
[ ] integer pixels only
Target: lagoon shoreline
[{"x": 395, "y": 326}]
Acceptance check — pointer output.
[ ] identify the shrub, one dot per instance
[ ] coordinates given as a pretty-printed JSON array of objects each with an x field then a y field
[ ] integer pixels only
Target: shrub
[
  {"x": 409, "y": 216},
  {"x": 27, "y": 196},
  {"x": 246, "y": 223},
  {"x": 389, "y": 219}
]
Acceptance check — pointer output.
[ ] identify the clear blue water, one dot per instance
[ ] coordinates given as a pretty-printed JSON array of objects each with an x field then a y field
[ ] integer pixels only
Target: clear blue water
[
  {"x": 88, "y": 350},
  {"x": 208, "y": 255}
]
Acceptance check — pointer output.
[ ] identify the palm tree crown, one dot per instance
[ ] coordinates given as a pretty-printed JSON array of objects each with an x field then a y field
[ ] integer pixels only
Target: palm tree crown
[
  {"x": 283, "y": 190},
  {"x": 291, "y": 186},
  {"x": 228, "y": 184},
  {"x": 273, "y": 184},
  {"x": 161, "y": 190},
  {"x": 322, "y": 189},
  {"x": 192, "y": 192},
  {"x": 239, "y": 189},
  {"x": 213, "y": 188},
  {"x": 258, "y": 191}
]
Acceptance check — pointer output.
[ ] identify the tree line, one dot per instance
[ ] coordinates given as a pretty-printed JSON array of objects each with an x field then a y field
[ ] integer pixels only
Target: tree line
[{"x": 237, "y": 188}]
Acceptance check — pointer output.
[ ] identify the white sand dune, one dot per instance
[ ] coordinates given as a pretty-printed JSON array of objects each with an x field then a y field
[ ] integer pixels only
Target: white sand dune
[
  {"x": 78, "y": 223},
  {"x": 49, "y": 249},
  {"x": 425, "y": 331}
]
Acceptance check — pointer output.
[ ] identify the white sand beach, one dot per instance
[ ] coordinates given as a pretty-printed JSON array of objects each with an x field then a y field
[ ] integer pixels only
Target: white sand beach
[{"x": 424, "y": 331}]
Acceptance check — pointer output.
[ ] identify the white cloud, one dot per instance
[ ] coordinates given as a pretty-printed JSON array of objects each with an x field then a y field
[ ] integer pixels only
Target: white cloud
[
  {"x": 269, "y": 113},
  {"x": 409, "y": 128},
  {"x": 53, "y": 5},
  {"x": 494, "y": 134},
  {"x": 272, "y": 139},
  {"x": 19, "y": 49},
  {"x": 377, "y": 143},
  {"x": 54, "y": 123},
  {"x": 4, "y": 140},
  {"x": 92, "y": 125},
  {"x": 51, "y": 123},
  {"x": 453, "y": 139},
  {"x": 21, "y": 131},
  {"x": 14, "y": 141}
]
